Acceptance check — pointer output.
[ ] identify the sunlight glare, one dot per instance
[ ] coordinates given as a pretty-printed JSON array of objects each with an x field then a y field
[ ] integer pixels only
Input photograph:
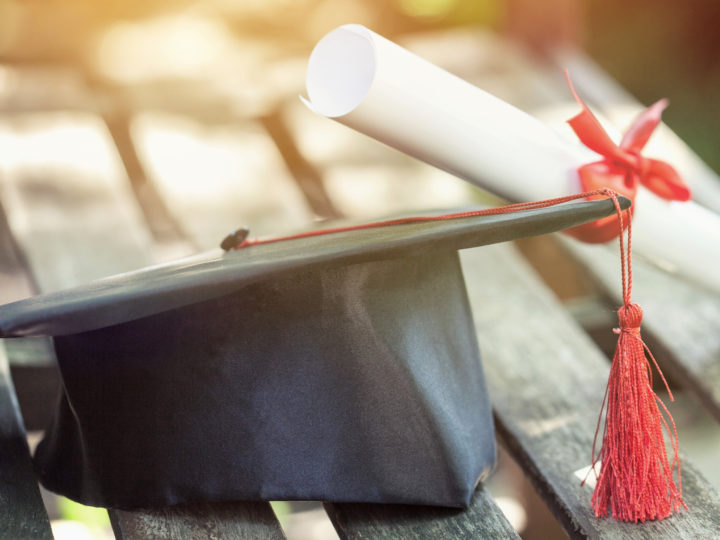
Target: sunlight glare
[{"x": 170, "y": 46}]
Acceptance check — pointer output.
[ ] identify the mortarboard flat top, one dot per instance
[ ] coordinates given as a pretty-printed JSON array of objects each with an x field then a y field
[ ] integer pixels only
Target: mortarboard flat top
[
  {"x": 342, "y": 367},
  {"x": 149, "y": 291}
]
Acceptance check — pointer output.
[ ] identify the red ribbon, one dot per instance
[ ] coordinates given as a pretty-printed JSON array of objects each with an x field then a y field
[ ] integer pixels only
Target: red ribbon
[{"x": 623, "y": 167}]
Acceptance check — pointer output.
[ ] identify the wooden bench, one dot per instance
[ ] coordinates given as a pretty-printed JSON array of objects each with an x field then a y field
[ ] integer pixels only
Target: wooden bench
[{"x": 546, "y": 376}]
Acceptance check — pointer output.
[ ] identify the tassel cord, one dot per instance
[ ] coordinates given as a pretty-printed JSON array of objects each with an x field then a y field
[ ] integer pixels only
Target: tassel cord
[
  {"x": 635, "y": 481},
  {"x": 507, "y": 209}
]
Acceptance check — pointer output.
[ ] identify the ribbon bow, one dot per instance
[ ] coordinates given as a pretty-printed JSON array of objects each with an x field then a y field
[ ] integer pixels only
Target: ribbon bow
[{"x": 623, "y": 167}]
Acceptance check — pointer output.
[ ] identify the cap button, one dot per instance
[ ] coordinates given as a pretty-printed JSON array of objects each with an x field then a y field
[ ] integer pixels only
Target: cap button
[{"x": 234, "y": 239}]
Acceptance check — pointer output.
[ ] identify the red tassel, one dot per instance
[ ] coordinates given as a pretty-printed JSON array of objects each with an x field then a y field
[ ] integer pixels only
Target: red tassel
[{"x": 636, "y": 480}]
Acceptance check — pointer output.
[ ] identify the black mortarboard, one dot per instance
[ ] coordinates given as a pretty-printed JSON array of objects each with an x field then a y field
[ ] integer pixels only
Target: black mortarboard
[{"x": 341, "y": 367}]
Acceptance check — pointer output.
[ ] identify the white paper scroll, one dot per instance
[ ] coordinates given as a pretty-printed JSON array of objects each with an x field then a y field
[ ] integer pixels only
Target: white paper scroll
[{"x": 374, "y": 86}]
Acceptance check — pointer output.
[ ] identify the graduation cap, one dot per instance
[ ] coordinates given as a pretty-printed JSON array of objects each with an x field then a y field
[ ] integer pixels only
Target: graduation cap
[{"x": 335, "y": 367}]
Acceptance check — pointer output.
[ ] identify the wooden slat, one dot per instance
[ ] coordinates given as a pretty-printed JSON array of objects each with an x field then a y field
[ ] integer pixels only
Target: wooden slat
[
  {"x": 162, "y": 225},
  {"x": 681, "y": 321},
  {"x": 16, "y": 284},
  {"x": 215, "y": 179},
  {"x": 33, "y": 369},
  {"x": 22, "y": 513},
  {"x": 483, "y": 519},
  {"x": 67, "y": 202},
  {"x": 305, "y": 174},
  {"x": 546, "y": 382},
  {"x": 231, "y": 521},
  {"x": 76, "y": 220}
]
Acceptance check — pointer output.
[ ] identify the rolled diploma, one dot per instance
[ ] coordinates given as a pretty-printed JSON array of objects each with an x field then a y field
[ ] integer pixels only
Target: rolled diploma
[{"x": 376, "y": 87}]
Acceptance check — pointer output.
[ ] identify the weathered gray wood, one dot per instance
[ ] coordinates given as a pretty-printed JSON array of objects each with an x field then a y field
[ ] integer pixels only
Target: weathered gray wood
[
  {"x": 483, "y": 519},
  {"x": 22, "y": 513},
  {"x": 546, "y": 382},
  {"x": 33, "y": 370},
  {"x": 220, "y": 521},
  {"x": 306, "y": 175},
  {"x": 216, "y": 179},
  {"x": 59, "y": 183},
  {"x": 162, "y": 225},
  {"x": 681, "y": 321},
  {"x": 77, "y": 221},
  {"x": 16, "y": 283}
]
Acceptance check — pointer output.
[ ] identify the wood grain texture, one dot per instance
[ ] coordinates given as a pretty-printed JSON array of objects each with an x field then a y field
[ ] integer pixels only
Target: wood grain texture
[
  {"x": 33, "y": 368},
  {"x": 216, "y": 179},
  {"x": 16, "y": 283},
  {"x": 483, "y": 519},
  {"x": 67, "y": 203},
  {"x": 22, "y": 513},
  {"x": 547, "y": 381},
  {"x": 161, "y": 224},
  {"x": 681, "y": 321},
  {"x": 220, "y": 521},
  {"x": 307, "y": 177}
]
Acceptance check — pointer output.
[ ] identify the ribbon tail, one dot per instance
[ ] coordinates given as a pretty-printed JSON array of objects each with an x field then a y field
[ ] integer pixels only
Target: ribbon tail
[
  {"x": 643, "y": 126},
  {"x": 662, "y": 179},
  {"x": 589, "y": 130}
]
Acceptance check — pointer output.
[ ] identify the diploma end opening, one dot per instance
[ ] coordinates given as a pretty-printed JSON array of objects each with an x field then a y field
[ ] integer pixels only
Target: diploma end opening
[{"x": 340, "y": 71}]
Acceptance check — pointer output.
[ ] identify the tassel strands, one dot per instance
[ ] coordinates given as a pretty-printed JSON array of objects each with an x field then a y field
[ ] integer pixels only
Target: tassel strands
[{"x": 636, "y": 481}]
